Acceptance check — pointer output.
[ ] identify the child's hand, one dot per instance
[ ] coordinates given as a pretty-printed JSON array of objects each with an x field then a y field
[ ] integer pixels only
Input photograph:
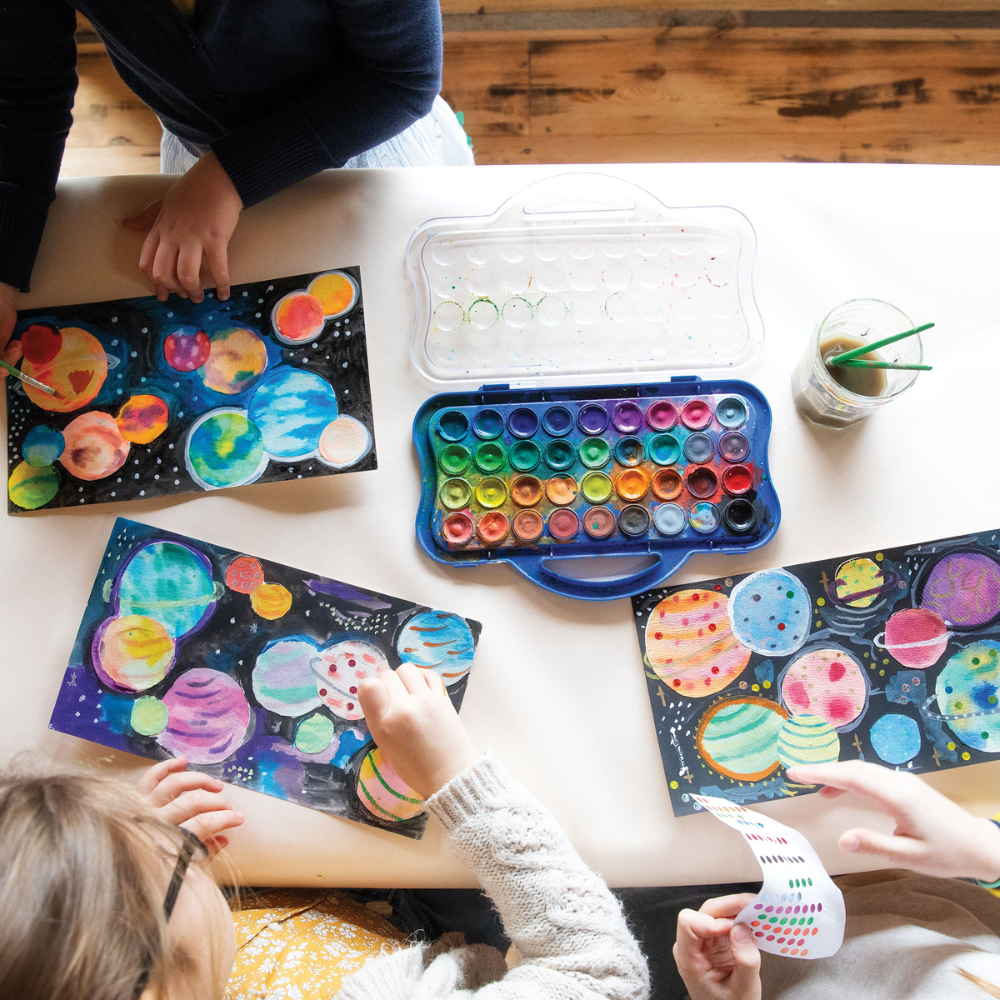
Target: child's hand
[
  {"x": 195, "y": 218},
  {"x": 415, "y": 724},
  {"x": 717, "y": 959},
  {"x": 191, "y": 800},
  {"x": 8, "y": 317},
  {"x": 933, "y": 836}
]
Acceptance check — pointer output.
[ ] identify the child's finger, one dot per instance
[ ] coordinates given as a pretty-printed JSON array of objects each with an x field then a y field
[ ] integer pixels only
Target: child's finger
[
  {"x": 152, "y": 776},
  {"x": 394, "y": 689},
  {"x": 190, "y": 804},
  {"x": 745, "y": 978},
  {"x": 727, "y": 906},
  {"x": 189, "y": 271},
  {"x": 218, "y": 264},
  {"x": 411, "y": 678},
  {"x": 163, "y": 272},
  {"x": 374, "y": 699},
  {"x": 885, "y": 787},
  {"x": 174, "y": 785},
  {"x": 906, "y": 852},
  {"x": 143, "y": 222},
  {"x": 205, "y": 826}
]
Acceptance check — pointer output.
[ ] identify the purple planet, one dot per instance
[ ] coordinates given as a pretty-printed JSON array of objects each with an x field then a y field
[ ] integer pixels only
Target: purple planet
[
  {"x": 964, "y": 589},
  {"x": 208, "y": 716}
]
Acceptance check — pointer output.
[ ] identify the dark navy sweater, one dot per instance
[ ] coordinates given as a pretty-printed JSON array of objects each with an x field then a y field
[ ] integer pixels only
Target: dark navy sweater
[{"x": 279, "y": 89}]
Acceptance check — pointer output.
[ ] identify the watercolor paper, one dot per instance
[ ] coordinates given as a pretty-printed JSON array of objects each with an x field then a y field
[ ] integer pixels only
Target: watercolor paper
[
  {"x": 891, "y": 656},
  {"x": 799, "y": 912},
  {"x": 158, "y": 398},
  {"x": 250, "y": 669}
]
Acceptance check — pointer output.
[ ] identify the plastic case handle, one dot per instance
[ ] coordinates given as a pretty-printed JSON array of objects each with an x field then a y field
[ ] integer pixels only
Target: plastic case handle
[
  {"x": 571, "y": 195},
  {"x": 538, "y": 570}
]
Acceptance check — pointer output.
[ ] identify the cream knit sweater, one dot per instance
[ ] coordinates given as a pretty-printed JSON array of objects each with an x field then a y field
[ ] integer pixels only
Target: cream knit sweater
[{"x": 568, "y": 928}]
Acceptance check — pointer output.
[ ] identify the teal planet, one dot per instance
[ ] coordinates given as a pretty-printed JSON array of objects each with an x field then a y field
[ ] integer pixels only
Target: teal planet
[
  {"x": 807, "y": 739},
  {"x": 969, "y": 683},
  {"x": 291, "y": 407},
  {"x": 42, "y": 446},
  {"x": 224, "y": 448},
  {"x": 284, "y": 676},
  {"x": 314, "y": 734},
  {"x": 170, "y": 583},
  {"x": 439, "y": 641},
  {"x": 739, "y": 737}
]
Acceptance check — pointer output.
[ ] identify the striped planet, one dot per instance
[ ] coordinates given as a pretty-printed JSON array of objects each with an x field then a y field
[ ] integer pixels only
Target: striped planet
[
  {"x": 384, "y": 793},
  {"x": 807, "y": 739},
  {"x": 690, "y": 644},
  {"x": 739, "y": 737}
]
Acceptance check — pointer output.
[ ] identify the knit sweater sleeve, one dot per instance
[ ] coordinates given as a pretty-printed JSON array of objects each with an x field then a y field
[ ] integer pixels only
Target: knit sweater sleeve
[
  {"x": 37, "y": 85},
  {"x": 566, "y": 924},
  {"x": 384, "y": 78}
]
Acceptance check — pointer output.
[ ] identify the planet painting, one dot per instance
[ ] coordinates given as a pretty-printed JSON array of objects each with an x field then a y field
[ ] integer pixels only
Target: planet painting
[
  {"x": 769, "y": 612},
  {"x": 826, "y": 682},
  {"x": 173, "y": 658},
  {"x": 890, "y": 656},
  {"x": 690, "y": 644},
  {"x": 160, "y": 398}
]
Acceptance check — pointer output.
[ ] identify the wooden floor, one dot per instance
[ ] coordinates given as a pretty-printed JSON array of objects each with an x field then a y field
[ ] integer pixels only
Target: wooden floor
[{"x": 634, "y": 85}]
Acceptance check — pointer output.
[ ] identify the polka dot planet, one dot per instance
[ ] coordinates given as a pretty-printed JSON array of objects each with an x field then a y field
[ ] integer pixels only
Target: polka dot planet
[
  {"x": 224, "y": 448},
  {"x": 186, "y": 349},
  {"x": 208, "y": 716},
  {"x": 42, "y": 445},
  {"x": 244, "y": 575},
  {"x": 30, "y": 487},
  {"x": 769, "y": 612},
  {"x": 336, "y": 291},
  {"x": 859, "y": 583},
  {"x": 739, "y": 737},
  {"x": 237, "y": 357},
  {"x": 341, "y": 669},
  {"x": 384, "y": 793},
  {"x": 968, "y": 683},
  {"x": 71, "y": 361},
  {"x": 439, "y": 641},
  {"x": 132, "y": 653},
  {"x": 344, "y": 442},
  {"x": 828, "y": 683},
  {"x": 807, "y": 739},
  {"x": 284, "y": 680},
  {"x": 94, "y": 448},
  {"x": 964, "y": 589},
  {"x": 298, "y": 318},
  {"x": 690, "y": 645},
  {"x": 143, "y": 419},
  {"x": 271, "y": 600},
  {"x": 916, "y": 637}
]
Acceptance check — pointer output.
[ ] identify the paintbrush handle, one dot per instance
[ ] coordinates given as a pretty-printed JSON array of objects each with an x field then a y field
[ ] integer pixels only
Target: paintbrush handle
[
  {"x": 839, "y": 359},
  {"x": 885, "y": 364},
  {"x": 17, "y": 373}
]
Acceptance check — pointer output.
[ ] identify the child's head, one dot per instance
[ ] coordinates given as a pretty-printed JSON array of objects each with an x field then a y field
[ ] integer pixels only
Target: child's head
[{"x": 85, "y": 866}]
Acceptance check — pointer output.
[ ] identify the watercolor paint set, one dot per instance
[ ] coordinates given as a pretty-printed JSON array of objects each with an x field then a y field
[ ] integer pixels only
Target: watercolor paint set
[
  {"x": 583, "y": 274},
  {"x": 531, "y": 476},
  {"x": 890, "y": 656}
]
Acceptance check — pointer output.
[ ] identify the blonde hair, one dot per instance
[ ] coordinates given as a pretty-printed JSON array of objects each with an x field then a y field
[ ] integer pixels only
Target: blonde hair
[{"x": 83, "y": 863}]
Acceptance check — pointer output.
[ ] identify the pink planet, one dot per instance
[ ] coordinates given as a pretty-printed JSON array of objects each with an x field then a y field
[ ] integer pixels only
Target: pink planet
[
  {"x": 342, "y": 668},
  {"x": 827, "y": 682},
  {"x": 916, "y": 637},
  {"x": 208, "y": 716}
]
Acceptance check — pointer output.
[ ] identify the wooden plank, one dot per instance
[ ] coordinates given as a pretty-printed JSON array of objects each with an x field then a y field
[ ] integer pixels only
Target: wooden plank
[
  {"x": 490, "y": 77},
  {"x": 521, "y": 6}
]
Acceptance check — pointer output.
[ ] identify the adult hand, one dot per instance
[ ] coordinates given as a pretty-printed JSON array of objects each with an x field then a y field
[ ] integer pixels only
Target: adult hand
[
  {"x": 191, "y": 800},
  {"x": 11, "y": 353},
  {"x": 194, "y": 219},
  {"x": 415, "y": 724},
  {"x": 717, "y": 958},
  {"x": 933, "y": 836}
]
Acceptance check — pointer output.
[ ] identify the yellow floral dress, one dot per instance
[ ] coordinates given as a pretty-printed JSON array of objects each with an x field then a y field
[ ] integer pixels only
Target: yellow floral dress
[{"x": 298, "y": 944}]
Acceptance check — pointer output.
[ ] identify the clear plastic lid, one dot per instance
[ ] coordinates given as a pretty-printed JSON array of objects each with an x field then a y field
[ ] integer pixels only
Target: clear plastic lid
[{"x": 583, "y": 274}]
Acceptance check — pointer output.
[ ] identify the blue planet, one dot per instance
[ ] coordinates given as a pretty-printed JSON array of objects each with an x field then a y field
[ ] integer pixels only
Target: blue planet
[
  {"x": 168, "y": 582},
  {"x": 895, "y": 738},
  {"x": 769, "y": 612},
  {"x": 224, "y": 448},
  {"x": 440, "y": 641},
  {"x": 42, "y": 446},
  {"x": 967, "y": 692},
  {"x": 291, "y": 407}
]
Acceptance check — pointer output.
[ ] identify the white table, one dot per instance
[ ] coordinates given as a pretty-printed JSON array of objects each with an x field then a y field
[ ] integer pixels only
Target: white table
[{"x": 557, "y": 688}]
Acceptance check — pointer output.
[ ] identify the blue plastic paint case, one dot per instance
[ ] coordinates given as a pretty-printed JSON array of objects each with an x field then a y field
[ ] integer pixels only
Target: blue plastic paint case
[{"x": 540, "y": 476}]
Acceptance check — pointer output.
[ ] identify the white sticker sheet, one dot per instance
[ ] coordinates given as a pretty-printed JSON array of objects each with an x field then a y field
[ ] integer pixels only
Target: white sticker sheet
[{"x": 799, "y": 912}]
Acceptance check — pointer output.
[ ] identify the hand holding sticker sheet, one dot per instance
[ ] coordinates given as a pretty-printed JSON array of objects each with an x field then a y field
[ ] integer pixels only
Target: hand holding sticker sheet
[{"x": 799, "y": 912}]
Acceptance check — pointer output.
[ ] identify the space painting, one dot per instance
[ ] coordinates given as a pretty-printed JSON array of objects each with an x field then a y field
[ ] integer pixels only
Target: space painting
[
  {"x": 890, "y": 656},
  {"x": 152, "y": 398},
  {"x": 251, "y": 670}
]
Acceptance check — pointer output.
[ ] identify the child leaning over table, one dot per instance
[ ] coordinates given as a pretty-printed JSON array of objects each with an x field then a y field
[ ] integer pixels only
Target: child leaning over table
[
  {"x": 105, "y": 893},
  {"x": 920, "y": 934}
]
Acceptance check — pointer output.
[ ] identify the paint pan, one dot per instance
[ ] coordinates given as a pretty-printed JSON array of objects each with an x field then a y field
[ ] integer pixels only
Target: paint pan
[
  {"x": 666, "y": 484},
  {"x": 629, "y": 451},
  {"x": 632, "y": 484},
  {"x": 664, "y": 449},
  {"x": 457, "y": 528},
  {"x": 697, "y": 414},
  {"x": 493, "y": 527},
  {"x": 490, "y": 457},
  {"x": 596, "y": 487},
  {"x": 455, "y": 493},
  {"x": 702, "y": 482},
  {"x": 739, "y": 516},
  {"x": 599, "y": 522},
  {"x": 454, "y": 459},
  {"x": 634, "y": 520},
  {"x": 733, "y": 446},
  {"x": 524, "y": 456},
  {"x": 592, "y": 418},
  {"x": 737, "y": 479},
  {"x": 661, "y": 415},
  {"x": 627, "y": 417},
  {"x": 522, "y": 422},
  {"x": 526, "y": 491},
  {"x": 669, "y": 519},
  {"x": 699, "y": 447},
  {"x": 595, "y": 453},
  {"x": 563, "y": 524},
  {"x": 731, "y": 412},
  {"x": 557, "y": 421},
  {"x": 487, "y": 424},
  {"x": 453, "y": 425},
  {"x": 559, "y": 454},
  {"x": 561, "y": 490},
  {"x": 704, "y": 517},
  {"x": 491, "y": 492},
  {"x": 528, "y": 525}
]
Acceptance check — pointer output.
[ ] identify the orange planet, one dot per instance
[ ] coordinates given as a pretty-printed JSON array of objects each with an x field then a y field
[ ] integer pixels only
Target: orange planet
[
  {"x": 271, "y": 600},
  {"x": 298, "y": 318},
  {"x": 143, "y": 419},
  {"x": 336, "y": 292},
  {"x": 74, "y": 364},
  {"x": 237, "y": 357},
  {"x": 690, "y": 645},
  {"x": 95, "y": 447}
]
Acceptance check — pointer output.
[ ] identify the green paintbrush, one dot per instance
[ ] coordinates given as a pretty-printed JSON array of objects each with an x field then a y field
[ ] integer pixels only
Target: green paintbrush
[
  {"x": 895, "y": 366},
  {"x": 17, "y": 373},
  {"x": 839, "y": 359}
]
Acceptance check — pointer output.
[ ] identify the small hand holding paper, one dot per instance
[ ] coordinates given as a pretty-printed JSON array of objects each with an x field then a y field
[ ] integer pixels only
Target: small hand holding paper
[
  {"x": 415, "y": 724},
  {"x": 933, "y": 836},
  {"x": 194, "y": 219},
  {"x": 191, "y": 800},
  {"x": 716, "y": 957}
]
